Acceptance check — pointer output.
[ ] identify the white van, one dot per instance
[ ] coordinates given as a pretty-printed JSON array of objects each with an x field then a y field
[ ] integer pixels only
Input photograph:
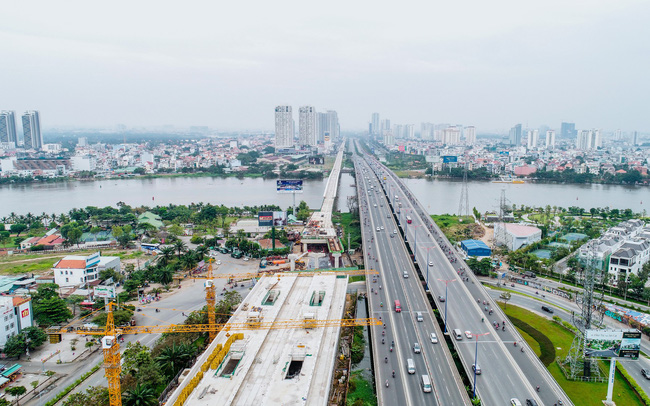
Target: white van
[
  {"x": 458, "y": 334},
  {"x": 410, "y": 366},
  {"x": 426, "y": 383}
]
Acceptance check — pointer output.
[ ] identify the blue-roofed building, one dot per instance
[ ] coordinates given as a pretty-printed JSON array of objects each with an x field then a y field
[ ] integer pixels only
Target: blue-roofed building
[{"x": 475, "y": 248}]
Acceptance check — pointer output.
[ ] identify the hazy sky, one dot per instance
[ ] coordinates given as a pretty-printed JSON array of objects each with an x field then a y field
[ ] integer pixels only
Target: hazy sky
[{"x": 228, "y": 64}]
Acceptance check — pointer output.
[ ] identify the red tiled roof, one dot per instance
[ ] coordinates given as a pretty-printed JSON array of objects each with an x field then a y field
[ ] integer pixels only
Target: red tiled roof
[
  {"x": 71, "y": 264},
  {"x": 49, "y": 240},
  {"x": 20, "y": 300}
]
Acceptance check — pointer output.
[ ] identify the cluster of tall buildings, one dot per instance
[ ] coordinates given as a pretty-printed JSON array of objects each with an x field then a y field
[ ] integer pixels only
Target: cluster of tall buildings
[
  {"x": 445, "y": 133},
  {"x": 32, "y": 137},
  {"x": 314, "y": 128},
  {"x": 585, "y": 140}
]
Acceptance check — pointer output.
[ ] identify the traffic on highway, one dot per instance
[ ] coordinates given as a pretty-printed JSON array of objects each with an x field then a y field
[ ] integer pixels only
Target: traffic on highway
[{"x": 507, "y": 369}]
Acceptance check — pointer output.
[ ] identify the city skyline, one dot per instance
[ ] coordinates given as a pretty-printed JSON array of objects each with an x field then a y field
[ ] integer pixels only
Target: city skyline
[{"x": 490, "y": 65}]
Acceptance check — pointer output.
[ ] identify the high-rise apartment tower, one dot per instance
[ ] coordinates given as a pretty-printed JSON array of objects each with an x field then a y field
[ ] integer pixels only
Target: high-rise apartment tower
[
  {"x": 307, "y": 126},
  {"x": 8, "y": 127},
  {"x": 284, "y": 127},
  {"x": 32, "y": 137}
]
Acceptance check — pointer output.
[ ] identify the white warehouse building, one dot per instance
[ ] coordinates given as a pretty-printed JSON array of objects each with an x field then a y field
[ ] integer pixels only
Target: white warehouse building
[{"x": 515, "y": 236}]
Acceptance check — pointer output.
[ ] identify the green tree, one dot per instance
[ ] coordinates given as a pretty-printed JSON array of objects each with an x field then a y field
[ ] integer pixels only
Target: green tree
[
  {"x": 51, "y": 311},
  {"x": 74, "y": 301},
  {"x": 95, "y": 396},
  {"x": 18, "y": 228},
  {"x": 179, "y": 246},
  {"x": 16, "y": 391},
  {"x": 74, "y": 235},
  {"x": 477, "y": 214},
  {"x": 110, "y": 273},
  {"x": 123, "y": 234},
  {"x": 175, "y": 230},
  {"x": 173, "y": 358},
  {"x": 141, "y": 395}
]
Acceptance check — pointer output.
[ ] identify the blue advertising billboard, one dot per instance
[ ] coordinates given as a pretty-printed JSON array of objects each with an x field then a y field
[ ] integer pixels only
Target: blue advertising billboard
[
  {"x": 289, "y": 186},
  {"x": 449, "y": 158}
]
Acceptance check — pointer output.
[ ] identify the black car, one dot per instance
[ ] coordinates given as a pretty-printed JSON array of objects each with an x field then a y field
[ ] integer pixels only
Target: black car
[
  {"x": 645, "y": 373},
  {"x": 531, "y": 402},
  {"x": 547, "y": 309}
]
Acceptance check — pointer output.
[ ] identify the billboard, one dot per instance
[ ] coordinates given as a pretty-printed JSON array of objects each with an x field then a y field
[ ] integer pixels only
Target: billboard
[
  {"x": 272, "y": 218},
  {"x": 612, "y": 343},
  {"x": 289, "y": 186},
  {"x": 449, "y": 158},
  {"x": 432, "y": 159},
  {"x": 105, "y": 291}
]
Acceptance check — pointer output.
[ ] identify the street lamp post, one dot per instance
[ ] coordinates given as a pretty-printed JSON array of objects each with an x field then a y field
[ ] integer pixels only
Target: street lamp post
[
  {"x": 476, "y": 362},
  {"x": 446, "y": 281}
]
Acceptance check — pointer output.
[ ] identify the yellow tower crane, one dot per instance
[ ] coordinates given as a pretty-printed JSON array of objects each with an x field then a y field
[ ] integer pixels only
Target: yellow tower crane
[
  {"x": 210, "y": 298},
  {"x": 111, "y": 346}
]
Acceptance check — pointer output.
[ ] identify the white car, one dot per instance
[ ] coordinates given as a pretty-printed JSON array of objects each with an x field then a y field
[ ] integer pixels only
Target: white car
[
  {"x": 476, "y": 368},
  {"x": 377, "y": 228},
  {"x": 246, "y": 258},
  {"x": 375, "y": 205},
  {"x": 416, "y": 348},
  {"x": 382, "y": 227},
  {"x": 430, "y": 263},
  {"x": 218, "y": 262},
  {"x": 434, "y": 338},
  {"x": 468, "y": 334},
  {"x": 515, "y": 402},
  {"x": 394, "y": 231}
]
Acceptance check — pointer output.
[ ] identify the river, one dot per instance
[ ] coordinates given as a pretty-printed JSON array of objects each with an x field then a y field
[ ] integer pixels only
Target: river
[{"x": 438, "y": 196}]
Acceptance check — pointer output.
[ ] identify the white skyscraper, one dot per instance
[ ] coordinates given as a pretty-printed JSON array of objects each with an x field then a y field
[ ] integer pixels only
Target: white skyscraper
[
  {"x": 533, "y": 136},
  {"x": 284, "y": 127},
  {"x": 451, "y": 136},
  {"x": 374, "y": 124},
  {"x": 32, "y": 137},
  {"x": 307, "y": 126},
  {"x": 550, "y": 139},
  {"x": 589, "y": 140},
  {"x": 426, "y": 131},
  {"x": 8, "y": 127},
  {"x": 385, "y": 125},
  {"x": 409, "y": 131},
  {"x": 333, "y": 125},
  {"x": 470, "y": 135}
]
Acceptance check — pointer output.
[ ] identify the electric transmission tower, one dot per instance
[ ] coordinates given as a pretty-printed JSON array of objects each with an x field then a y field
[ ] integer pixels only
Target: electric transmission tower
[
  {"x": 591, "y": 314},
  {"x": 463, "y": 206}
]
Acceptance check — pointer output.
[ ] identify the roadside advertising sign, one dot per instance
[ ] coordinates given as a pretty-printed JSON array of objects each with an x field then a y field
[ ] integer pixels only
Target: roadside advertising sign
[
  {"x": 289, "y": 186},
  {"x": 613, "y": 343}
]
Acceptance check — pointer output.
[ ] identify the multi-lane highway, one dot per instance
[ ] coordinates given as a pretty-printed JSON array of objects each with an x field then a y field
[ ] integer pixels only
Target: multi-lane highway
[
  {"x": 397, "y": 281},
  {"x": 506, "y": 371}
]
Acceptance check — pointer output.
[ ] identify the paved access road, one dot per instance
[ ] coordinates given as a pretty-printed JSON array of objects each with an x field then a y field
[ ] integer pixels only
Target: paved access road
[
  {"x": 563, "y": 308},
  {"x": 386, "y": 252},
  {"x": 506, "y": 371}
]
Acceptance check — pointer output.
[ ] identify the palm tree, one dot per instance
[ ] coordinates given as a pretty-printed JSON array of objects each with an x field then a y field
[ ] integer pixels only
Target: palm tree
[
  {"x": 165, "y": 275},
  {"x": 166, "y": 254},
  {"x": 201, "y": 251},
  {"x": 141, "y": 395},
  {"x": 180, "y": 247},
  {"x": 173, "y": 358},
  {"x": 188, "y": 261}
]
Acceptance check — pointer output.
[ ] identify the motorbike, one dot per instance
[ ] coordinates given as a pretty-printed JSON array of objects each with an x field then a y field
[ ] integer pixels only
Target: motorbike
[
  {"x": 383, "y": 341},
  {"x": 387, "y": 383}
]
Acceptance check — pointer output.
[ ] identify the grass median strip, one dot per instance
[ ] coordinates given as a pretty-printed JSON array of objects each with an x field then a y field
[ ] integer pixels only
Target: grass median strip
[{"x": 581, "y": 393}]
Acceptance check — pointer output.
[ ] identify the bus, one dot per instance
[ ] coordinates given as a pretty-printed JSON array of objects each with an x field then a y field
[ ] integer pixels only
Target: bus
[
  {"x": 398, "y": 307},
  {"x": 150, "y": 247},
  {"x": 408, "y": 219}
]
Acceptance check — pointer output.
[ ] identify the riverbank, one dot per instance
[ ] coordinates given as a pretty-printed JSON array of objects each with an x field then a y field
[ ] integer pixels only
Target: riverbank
[{"x": 420, "y": 174}]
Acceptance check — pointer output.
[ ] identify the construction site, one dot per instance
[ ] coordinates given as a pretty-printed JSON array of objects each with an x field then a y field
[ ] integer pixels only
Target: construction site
[{"x": 274, "y": 365}]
